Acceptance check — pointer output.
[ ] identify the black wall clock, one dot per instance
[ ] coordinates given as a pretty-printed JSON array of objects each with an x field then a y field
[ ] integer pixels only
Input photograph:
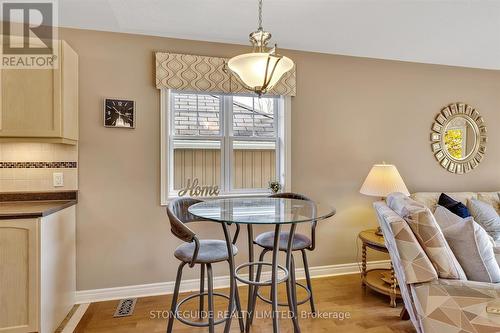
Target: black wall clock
[{"x": 119, "y": 113}]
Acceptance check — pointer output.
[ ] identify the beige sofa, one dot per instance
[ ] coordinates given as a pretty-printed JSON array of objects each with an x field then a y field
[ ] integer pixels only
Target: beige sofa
[{"x": 437, "y": 305}]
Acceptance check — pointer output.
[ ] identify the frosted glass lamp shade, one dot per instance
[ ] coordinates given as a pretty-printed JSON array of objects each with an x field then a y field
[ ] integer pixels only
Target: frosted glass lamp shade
[
  {"x": 251, "y": 69},
  {"x": 383, "y": 180}
]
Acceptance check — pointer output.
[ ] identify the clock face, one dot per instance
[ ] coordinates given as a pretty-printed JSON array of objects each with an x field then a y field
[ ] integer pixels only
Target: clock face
[{"x": 119, "y": 113}]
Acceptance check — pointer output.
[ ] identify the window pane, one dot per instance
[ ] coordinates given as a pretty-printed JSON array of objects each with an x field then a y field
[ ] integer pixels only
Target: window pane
[
  {"x": 196, "y": 159},
  {"x": 196, "y": 114},
  {"x": 254, "y": 164},
  {"x": 253, "y": 116}
]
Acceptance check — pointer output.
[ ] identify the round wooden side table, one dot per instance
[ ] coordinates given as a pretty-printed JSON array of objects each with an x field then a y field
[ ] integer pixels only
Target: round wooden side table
[{"x": 380, "y": 280}]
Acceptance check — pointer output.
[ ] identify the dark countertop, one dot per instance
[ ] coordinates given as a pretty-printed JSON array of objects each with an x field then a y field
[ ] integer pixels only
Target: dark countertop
[
  {"x": 32, "y": 209},
  {"x": 34, "y": 205}
]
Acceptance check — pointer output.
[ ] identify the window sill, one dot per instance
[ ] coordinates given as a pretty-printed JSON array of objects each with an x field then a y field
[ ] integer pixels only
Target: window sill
[{"x": 174, "y": 196}]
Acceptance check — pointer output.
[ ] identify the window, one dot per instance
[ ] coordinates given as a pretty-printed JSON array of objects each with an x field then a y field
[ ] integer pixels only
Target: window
[{"x": 233, "y": 141}]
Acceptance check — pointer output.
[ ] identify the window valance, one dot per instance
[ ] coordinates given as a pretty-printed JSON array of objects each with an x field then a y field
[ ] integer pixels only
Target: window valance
[{"x": 207, "y": 74}]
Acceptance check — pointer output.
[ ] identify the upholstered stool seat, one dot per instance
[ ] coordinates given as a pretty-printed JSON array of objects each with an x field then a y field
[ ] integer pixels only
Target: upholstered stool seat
[
  {"x": 211, "y": 251},
  {"x": 266, "y": 239}
]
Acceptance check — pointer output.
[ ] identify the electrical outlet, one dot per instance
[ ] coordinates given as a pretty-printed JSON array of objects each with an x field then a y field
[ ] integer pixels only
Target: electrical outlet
[{"x": 58, "y": 179}]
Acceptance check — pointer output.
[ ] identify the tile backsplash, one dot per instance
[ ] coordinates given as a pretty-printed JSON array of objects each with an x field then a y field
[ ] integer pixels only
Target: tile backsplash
[{"x": 29, "y": 166}]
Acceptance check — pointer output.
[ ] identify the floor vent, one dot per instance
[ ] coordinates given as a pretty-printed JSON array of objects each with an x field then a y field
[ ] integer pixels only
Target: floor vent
[{"x": 125, "y": 307}]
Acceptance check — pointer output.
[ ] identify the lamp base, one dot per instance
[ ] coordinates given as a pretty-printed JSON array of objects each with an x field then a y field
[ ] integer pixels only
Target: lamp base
[{"x": 379, "y": 232}]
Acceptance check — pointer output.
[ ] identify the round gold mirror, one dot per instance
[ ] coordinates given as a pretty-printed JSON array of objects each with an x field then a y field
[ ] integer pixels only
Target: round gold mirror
[{"x": 459, "y": 138}]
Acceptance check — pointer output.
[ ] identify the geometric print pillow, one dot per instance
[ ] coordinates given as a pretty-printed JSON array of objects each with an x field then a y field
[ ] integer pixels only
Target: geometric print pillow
[
  {"x": 416, "y": 265},
  {"x": 429, "y": 235}
]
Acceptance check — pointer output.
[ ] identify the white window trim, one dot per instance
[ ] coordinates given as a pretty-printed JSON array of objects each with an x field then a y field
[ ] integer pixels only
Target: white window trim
[{"x": 284, "y": 158}]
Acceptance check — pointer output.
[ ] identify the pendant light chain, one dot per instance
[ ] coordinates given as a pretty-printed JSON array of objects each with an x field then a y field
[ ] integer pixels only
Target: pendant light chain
[{"x": 260, "y": 14}]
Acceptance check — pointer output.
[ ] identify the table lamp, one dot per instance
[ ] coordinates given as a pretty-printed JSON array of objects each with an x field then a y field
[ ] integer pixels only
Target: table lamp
[{"x": 383, "y": 180}]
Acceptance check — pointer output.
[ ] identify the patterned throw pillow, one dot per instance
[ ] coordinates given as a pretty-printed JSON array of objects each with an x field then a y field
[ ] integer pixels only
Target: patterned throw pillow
[
  {"x": 470, "y": 244},
  {"x": 432, "y": 240},
  {"x": 486, "y": 216},
  {"x": 415, "y": 263}
]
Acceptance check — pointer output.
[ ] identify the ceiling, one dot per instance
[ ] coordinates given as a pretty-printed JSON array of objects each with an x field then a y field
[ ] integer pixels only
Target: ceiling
[{"x": 451, "y": 32}]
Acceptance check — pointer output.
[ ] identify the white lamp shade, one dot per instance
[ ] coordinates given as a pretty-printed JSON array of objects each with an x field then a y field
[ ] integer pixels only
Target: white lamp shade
[
  {"x": 383, "y": 180},
  {"x": 251, "y": 68}
]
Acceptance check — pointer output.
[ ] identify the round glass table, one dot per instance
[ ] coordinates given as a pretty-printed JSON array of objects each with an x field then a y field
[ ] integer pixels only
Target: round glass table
[{"x": 263, "y": 211}]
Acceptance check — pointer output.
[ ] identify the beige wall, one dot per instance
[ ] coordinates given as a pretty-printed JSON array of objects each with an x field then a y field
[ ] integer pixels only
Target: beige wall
[{"x": 349, "y": 113}]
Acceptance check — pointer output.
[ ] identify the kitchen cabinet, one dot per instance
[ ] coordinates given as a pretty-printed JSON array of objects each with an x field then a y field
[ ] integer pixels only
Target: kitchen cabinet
[
  {"x": 37, "y": 272},
  {"x": 41, "y": 105}
]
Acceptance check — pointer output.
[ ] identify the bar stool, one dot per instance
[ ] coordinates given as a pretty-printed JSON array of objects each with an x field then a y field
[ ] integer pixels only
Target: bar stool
[
  {"x": 300, "y": 243},
  {"x": 203, "y": 253}
]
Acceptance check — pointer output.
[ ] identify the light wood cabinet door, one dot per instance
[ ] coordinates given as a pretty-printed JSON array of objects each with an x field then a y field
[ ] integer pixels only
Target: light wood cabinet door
[
  {"x": 30, "y": 103},
  {"x": 41, "y": 103},
  {"x": 19, "y": 276}
]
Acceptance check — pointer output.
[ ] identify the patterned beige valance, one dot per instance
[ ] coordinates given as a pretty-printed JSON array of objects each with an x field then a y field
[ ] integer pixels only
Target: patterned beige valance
[{"x": 207, "y": 74}]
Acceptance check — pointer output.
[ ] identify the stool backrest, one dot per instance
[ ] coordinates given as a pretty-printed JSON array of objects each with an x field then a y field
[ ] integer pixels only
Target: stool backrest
[
  {"x": 297, "y": 196},
  {"x": 179, "y": 215}
]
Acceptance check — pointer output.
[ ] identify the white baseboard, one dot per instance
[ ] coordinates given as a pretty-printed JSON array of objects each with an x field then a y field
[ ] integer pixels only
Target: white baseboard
[{"x": 162, "y": 288}]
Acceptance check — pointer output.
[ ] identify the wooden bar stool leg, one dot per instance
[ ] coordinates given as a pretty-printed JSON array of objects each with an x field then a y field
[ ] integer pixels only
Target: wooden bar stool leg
[
  {"x": 211, "y": 313},
  {"x": 175, "y": 296}
]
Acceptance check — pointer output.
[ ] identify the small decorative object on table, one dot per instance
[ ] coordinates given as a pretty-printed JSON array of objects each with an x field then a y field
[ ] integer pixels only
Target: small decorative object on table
[
  {"x": 119, "y": 113},
  {"x": 275, "y": 186},
  {"x": 381, "y": 280}
]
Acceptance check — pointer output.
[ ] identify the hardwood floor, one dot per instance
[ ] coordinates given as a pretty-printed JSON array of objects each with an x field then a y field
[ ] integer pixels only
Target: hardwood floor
[{"x": 341, "y": 295}]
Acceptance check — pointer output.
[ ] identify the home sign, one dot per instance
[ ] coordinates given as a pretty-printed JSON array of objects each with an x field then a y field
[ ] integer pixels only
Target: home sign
[{"x": 194, "y": 190}]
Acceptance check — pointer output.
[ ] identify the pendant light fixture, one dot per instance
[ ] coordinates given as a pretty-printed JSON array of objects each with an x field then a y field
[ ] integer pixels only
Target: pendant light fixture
[{"x": 260, "y": 70}]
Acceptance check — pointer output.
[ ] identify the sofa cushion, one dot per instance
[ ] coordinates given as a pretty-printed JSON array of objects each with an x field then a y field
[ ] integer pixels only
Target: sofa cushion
[
  {"x": 453, "y": 205},
  {"x": 486, "y": 216},
  {"x": 492, "y": 198},
  {"x": 432, "y": 240},
  {"x": 430, "y": 199},
  {"x": 451, "y": 306},
  {"x": 470, "y": 244}
]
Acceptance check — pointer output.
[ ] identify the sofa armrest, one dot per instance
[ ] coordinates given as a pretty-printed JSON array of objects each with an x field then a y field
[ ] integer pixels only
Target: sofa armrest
[{"x": 453, "y": 305}]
